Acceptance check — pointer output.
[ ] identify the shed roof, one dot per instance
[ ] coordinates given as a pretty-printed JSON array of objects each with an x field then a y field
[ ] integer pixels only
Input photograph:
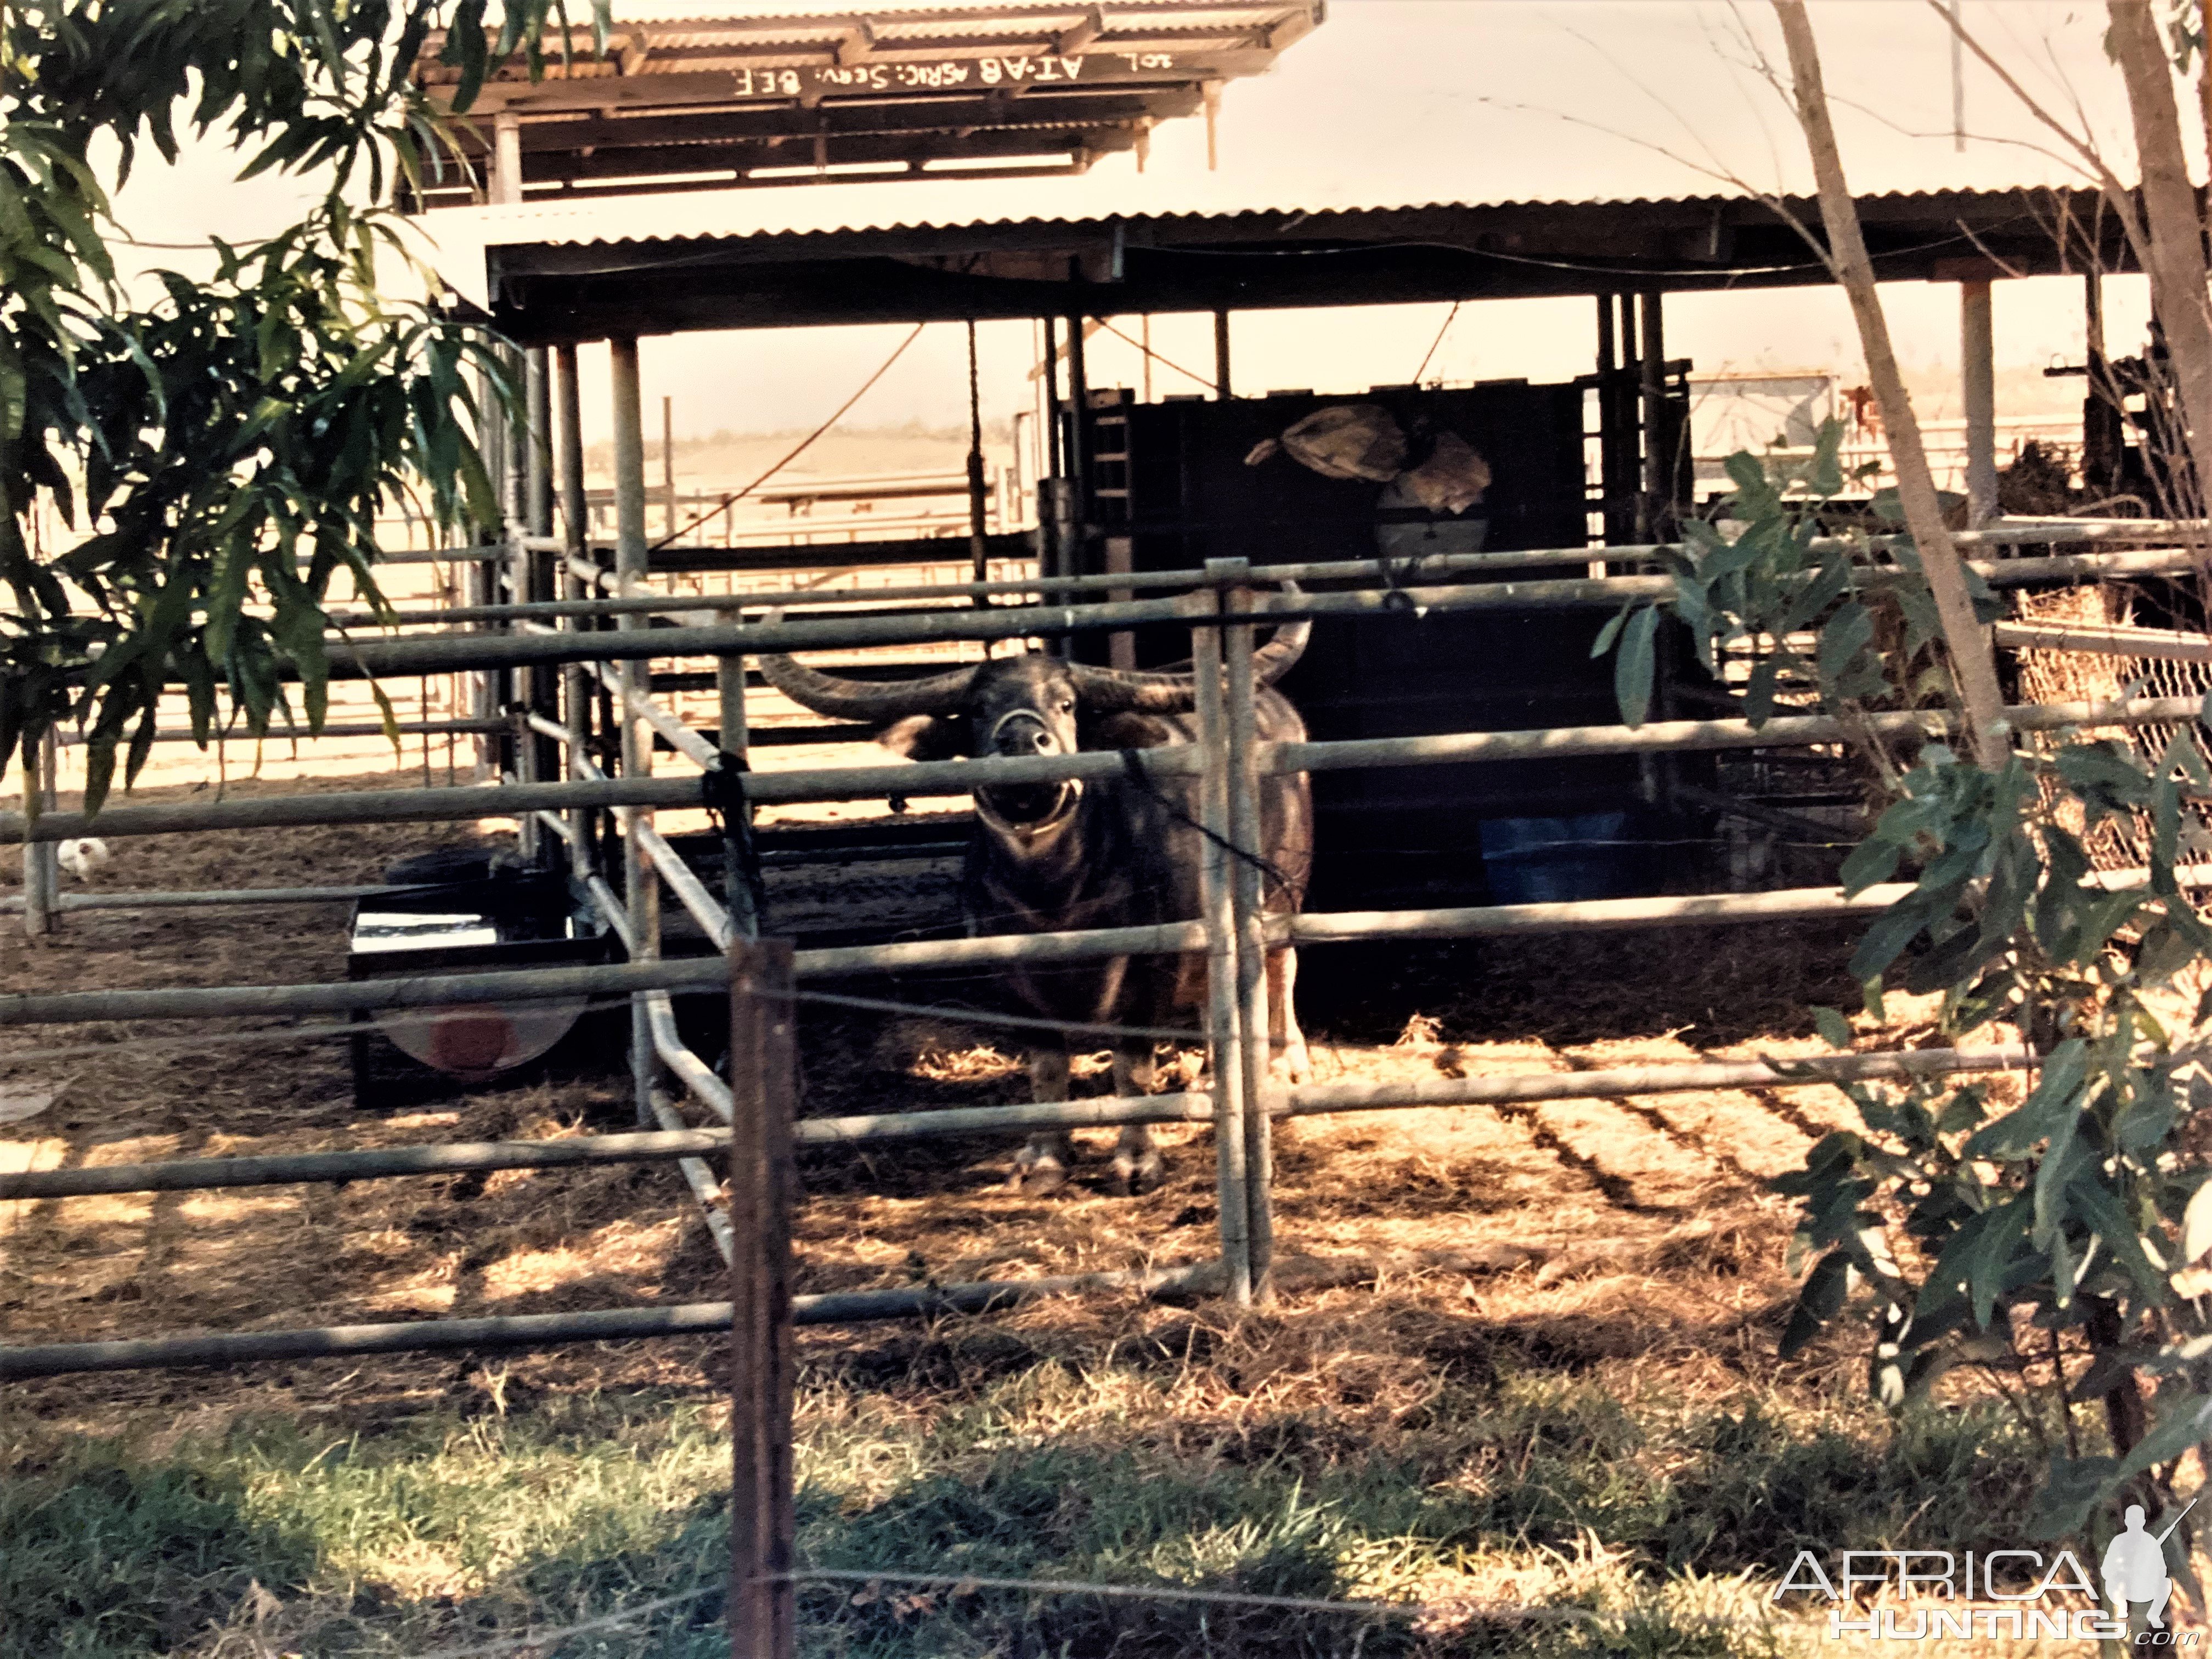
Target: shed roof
[
  {"x": 713, "y": 103},
  {"x": 793, "y": 273}
]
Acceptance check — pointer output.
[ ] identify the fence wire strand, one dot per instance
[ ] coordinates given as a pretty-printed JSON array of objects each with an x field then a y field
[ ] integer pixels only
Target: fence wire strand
[{"x": 961, "y": 1583}]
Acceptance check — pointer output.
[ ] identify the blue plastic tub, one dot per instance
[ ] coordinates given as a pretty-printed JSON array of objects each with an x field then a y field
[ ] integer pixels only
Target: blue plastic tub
[{"x": 1556, "y": 860}]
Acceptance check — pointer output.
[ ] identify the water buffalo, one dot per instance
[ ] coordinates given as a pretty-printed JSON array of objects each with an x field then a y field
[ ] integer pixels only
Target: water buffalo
[{"x": 1049, "y": 858}]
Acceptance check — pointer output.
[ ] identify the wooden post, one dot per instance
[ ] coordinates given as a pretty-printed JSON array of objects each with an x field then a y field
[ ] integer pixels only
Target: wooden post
[
  {"x": 1221, "y": 356},
  {"x": 1973, "y": 667},
  {"x": 1247, "y": 898},
  {"x": 762, "y": 1618},
  {"x": 1232, "y": 1168},
  {"x": 2174, "y": 259}
]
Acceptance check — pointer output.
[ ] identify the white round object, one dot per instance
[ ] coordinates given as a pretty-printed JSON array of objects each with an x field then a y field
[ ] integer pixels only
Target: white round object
[
  {"x": 83, "y": 856},
  {"x": 477, "y": 1040}
]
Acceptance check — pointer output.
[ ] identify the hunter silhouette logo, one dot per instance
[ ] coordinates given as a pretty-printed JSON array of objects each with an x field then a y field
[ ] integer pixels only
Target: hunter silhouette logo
[
  {"x": 1940, "y": 1601},
  {"x": 2134, "y": 1567}
]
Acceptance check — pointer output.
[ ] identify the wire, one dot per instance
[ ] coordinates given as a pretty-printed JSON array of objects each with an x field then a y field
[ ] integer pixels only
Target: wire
[
  {"x": 1450, "y": 317},
  {"x": 1515, "y": 1612},
  {"x": 1205, "y": 381},
  {"x": 1625, "y": 272},
  {"x": 547, "y": 1638},
  {"x": 1164, "y": 1593},
  {"x": 984, "y": 1017},
  {"x": 803, "y": 445}
]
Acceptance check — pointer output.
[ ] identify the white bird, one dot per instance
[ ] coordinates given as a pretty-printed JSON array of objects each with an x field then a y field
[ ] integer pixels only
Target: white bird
[{"x": 84, "y": 857}]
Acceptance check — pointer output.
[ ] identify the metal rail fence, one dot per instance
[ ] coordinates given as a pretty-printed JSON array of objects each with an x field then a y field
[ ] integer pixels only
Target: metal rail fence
[{"x": 1223, "y": 605}]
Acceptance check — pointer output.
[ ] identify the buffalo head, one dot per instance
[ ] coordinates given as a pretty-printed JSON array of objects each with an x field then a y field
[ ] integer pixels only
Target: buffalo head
[{"x": 1032, "y": 704}]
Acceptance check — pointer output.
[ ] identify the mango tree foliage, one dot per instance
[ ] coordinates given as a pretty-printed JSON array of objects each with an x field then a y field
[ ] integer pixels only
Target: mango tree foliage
[
  {"x": 221, "y": 449},
  {"x": 2061, "y": 1228}
]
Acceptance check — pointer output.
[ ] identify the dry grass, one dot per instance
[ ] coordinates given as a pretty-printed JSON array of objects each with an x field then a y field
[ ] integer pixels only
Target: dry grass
[{"x": 1612, "y": 1269}]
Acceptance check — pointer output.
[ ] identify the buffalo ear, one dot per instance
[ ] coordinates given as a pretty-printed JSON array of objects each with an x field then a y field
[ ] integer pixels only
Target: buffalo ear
[
  {"x": 926, "y": 737},
  {"x": 1125, "y": 729}
]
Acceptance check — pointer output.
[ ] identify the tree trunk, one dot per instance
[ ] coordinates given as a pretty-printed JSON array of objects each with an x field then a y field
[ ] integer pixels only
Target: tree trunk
[
  {"x": 2176, "y": 239},
  {"x": 1974, "y": 669}
]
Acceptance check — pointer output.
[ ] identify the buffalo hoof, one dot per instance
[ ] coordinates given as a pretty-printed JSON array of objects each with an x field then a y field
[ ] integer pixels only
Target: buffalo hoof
[
  {"x": 1038, "y": 1179},
  {"x": 1134, "y": 1176}
]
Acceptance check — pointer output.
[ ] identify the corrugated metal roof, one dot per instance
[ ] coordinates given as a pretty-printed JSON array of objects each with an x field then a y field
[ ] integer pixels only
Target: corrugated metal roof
[{"x": 715, "y": 216}]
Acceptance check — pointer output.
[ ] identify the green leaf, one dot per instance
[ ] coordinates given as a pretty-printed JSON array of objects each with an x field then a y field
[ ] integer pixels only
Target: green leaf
[
  {"x": 2054, "y": 1101},
  {"x": 1835, "y": 1030},
  {"x": 1610, "y": 631},
  {"x": 2196, "y": 1225},
  {"x": 1634, "y": 668}
]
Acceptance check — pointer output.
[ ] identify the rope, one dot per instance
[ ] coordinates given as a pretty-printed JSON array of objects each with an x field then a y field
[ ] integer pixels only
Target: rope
[
  {"x": 803, "y": 445},
  {"x": 1450, "y": 317},
  {"x": 1133, "y": 767},
  {"x": 722, "y": 793},
  {"x": 1205, "y": 380}
]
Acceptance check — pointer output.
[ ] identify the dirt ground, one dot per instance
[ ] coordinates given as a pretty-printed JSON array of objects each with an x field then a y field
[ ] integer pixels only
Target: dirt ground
[{"x": 1632, "y": 1230}]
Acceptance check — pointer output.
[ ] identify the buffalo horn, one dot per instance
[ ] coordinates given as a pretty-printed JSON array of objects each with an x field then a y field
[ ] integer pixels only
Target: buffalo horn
[
  {"x": 877, "y": 701},
  {"x": 1169, "y": 694}
]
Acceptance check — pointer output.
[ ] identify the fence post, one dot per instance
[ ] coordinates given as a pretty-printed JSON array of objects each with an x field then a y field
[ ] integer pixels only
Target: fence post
[
  {"x": 762, "y": 1617},
  {"x": 1232, "y": 1175},
  {"x": 1247, "y": 898},
  {"x": 41, "y": 859}
]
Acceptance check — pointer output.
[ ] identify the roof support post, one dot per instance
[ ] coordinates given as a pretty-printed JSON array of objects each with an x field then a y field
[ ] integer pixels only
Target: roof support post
[
  {"x": 539, "y": 580},
  {"x": 507, "y": 159},
  {"x": 576, "y": 691},
  {"x": 640, "y": 885},
  {"x": 1977, "y": 395},
  {"x": 1221, "y": 392},
  {"x": 1657, "y": 495}
]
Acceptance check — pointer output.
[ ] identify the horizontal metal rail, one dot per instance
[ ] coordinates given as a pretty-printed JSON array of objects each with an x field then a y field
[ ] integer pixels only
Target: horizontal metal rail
[
  {"x": 1105, "y": 1111},
  {"x": 914, "y": 780},
  {"x": 449, "y": 653},
  {"x": 2164, "y": 644},
  {"x": 691, "y": 974},
  {"x": 442, "y": 555},
  {"x": 601, "y": 1325},
  {"x": 152, "y": 899},
  {"x": 1788, "y": 731},
  {"x": 336, "y": 729},
  {"x": 2129, "y": 531}
]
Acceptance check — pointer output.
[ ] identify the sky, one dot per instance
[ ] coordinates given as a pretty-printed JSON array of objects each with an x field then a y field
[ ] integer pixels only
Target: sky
[{"x": 1393, "y": 101}]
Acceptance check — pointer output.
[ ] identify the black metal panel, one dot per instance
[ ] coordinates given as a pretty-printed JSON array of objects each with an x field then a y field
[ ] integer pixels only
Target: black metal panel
[{"x": 1401, "y": 835}]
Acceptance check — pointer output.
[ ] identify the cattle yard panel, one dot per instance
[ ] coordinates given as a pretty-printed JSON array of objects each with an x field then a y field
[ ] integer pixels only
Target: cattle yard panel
[
  {"x": 1219, "y": 609},
  {"x": 1238, "y": 1025}
]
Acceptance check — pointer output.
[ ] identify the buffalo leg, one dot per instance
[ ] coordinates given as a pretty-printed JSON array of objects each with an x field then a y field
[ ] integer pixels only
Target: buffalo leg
[
  {"x": 1284, "y": 1037},
  {"x": 1041, "y": 1166},
  {"x": 1137, "y": 1165}
]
